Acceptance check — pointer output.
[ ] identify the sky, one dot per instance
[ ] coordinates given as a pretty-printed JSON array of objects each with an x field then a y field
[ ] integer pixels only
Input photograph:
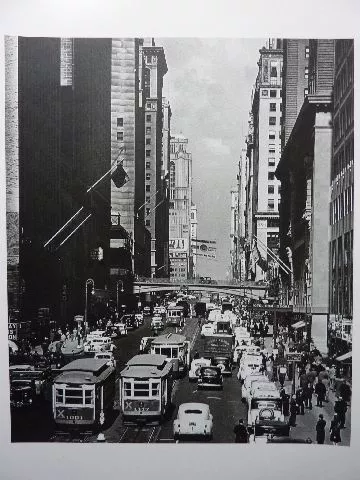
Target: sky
[{"x": 209, "y": 84}]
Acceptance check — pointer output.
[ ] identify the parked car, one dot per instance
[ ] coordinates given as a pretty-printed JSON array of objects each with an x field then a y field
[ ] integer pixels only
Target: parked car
[
  {"x": 130, "y": 321},
  {"x": 196, "y": 364},
  {"x": 119, "y": 329},
  {"x": 193, "y": 419},
  {"x": 207, "y": 329},
  {"x": 147, "y": 311},
  {"x": 210, "y": 377},
  {"x": 157, "y": 323},
  {"x": 140, "y": 318}
]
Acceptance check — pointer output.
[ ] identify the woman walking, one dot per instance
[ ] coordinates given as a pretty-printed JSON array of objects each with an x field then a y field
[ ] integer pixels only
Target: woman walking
[{"x": 335, "y": 430}]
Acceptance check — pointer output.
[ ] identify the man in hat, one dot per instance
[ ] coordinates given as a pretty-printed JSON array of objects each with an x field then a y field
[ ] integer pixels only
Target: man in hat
[
  {"x": 320, "y": 430},
  {"x": 241, "y": 433}
]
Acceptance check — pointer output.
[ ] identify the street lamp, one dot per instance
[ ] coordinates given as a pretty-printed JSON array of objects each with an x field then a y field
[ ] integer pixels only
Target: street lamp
[
  {"x": 117, "y": 293},
  {"x": 88, "y": 282}
]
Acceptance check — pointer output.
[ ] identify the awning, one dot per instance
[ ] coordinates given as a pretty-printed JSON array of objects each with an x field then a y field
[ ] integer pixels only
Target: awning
[
  {"x": 299, "y": 324},
  {"x": 344, "y": 357}
]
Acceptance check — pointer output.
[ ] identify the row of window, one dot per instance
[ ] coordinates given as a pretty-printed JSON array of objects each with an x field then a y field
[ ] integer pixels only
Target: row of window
[
  {"x": 273, "y": 93},
  {"x": 272, "y": 107},
  {"x": 271, "y": 204},
  {"x": 271, "y": 189},
  {"x": 341, "y": 275},
  {"x": 343, "y": 158},
  {"x": 342, "y": 205},
  {"x": 272, "y": 121},
  {"x": 344, "y": 79},
  {"x": 345, "y": 120}
]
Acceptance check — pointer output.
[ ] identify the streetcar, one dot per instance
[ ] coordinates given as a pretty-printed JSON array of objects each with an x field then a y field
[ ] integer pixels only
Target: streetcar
[
  {"x": 175, "y": 316},
  {"x": 176, "y": 349},
  {"x": 83, "y": 394},
  {"x": 145, "y": 387}
]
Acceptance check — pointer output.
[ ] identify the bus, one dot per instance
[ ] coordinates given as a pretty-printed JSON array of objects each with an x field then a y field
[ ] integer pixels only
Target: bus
[
  {"x": 176, "y": 349},
  {"x": 83, "y": 394},
  {"x": 145, "y": 387},
  {"x": 175, "y": 316}
]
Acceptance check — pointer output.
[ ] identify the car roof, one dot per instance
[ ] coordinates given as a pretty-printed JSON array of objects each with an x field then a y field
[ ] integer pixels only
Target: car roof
[{"x": 193, "y": 406}]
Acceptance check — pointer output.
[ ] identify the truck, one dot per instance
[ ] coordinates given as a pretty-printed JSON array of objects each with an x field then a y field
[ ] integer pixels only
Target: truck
[
  {"x": 219, "y": 349},
  {"x": 200, "y": 309}
]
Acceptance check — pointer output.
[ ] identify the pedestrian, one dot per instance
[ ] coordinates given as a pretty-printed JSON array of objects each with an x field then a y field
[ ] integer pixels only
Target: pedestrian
[
  {"x": 340, "y": 409},
  {"x": 300, "y": 400},
  {"x": 308, "y": 392},
  {"x": 335, "y": 436},
  {"x": 332, "y": 375},
  {"x": 320, "y": 430},
  {"x": 293, "y": 412},
  {"x": 345, "y": 391},
  {"x": 320, "y": 392},
  {"x": 241, "y": 433},
  {"x": 282, "y": 375}
]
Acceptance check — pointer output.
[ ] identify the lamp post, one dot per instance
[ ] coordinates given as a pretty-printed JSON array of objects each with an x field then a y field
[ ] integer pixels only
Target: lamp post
[
  {"x": 117, "y": 293},
  {"x": 88, "y": 282}
]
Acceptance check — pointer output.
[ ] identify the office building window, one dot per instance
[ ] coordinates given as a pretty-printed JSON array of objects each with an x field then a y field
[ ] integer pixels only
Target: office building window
[
  {"x": 148, "y": 130},
  {"x": 271, "y": 151},
  {"x": 271, "y": 176},
  {"x": 306, "y": 92},
  {"x": 148, "y": 152},
  {"x": 147, "y": 199},
  {"x": 280, "y": 107},
  {"x": 271, "y": 189},
  {"x": 148, "y": 118},
  {"x": 306, "y": 74},
  {"x": 265, "y": 93},
  {"x": 272, "y": 120},
  {"x": 147, "y": 164},
  {"x": 271, "y": 205},
  {"x": 307, "y": 52},
  {"x": 147, "y": 223},
  {"x": 271, "y": 162},
  {"x": 272, "y": 107},
  {"x": 148, "y": 176},
  {"x": 120, "y": 122},
  {"x": 148, "y": 141},
  {"x": 147, "y": 211},
  {"x": 273, "y": 93},
  {"x": 120, "y": 136},
  {"x": 147, "y": 188},
  {"x": 271, "y": 135},
  {"x": 148, "y": 105}
]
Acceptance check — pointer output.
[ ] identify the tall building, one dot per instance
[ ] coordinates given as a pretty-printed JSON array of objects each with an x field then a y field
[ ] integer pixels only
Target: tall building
[
  {"x": 342, "y": 202},
  {"x": 267, "y": 117},
  {"x": 304, "y": 171},
  {"x": 234, "y": 228},
  {"x": 156, "y": 211},
  {"x": 194, "y": 236},
  {"x": 71, "y": 107},
  {"x": 180, "y": 208}
]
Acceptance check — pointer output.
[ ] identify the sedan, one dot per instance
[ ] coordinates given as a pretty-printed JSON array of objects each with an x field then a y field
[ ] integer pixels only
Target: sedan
[
  {"x": 193, "y": 419},
  {"x": 210, "y": 377}
]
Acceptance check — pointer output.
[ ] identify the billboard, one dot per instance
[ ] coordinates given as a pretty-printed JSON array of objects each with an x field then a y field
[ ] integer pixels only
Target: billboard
[
  {"x": 204, "y": 248},
  {"x": 178, "y": 244}
]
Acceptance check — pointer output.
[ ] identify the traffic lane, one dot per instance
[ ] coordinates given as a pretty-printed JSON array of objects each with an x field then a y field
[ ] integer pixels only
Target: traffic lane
[
  {"x": 127, "y": 347},
  {"x": 225, "y": 406}
]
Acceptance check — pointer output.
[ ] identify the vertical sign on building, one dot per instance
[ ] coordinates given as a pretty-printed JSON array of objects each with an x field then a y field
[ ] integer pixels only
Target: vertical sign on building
[{"x": 66, "y": 62}]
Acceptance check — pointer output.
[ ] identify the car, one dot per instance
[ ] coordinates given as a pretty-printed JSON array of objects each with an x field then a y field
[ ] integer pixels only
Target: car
[
  {"x": 224, "y": 363},
  {"x": 130, "y": 321},
  {"x": 193, "y": 419},
  {"x": 139, "y": 318},
  {"x": 97, "y": 345},
  {"x": 22, "y": 393},
  {"x": 120, "y": 329},
  {"x": 96, "y": 334},
  {"x": 106, "y": 356},
  {"x": 157, "y": 323},
  {"x": 262, "y": 387},
  {"x": 255, "y": 384},
  {"x": 207, "y": 329},
  {"x": 266, "y": 411},
  {"x": 247, "y": 368},
  {"x": 195, "y": 367},
  {"x": 147, "y": 311},
  {"x": 254, "y": 377},
  {"x": 210, "y": 377}
]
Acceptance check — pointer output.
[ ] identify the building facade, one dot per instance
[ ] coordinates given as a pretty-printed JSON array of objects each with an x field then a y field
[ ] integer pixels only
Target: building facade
[
  {"x": 180, "y": 208},
  {"x": 342, "y": 202},
  {"x": 304, "y": 171},
  {"x": 194, "y": 236},
  {"x": 234, "y": 228},
  {"x": 267, "y": 118}
]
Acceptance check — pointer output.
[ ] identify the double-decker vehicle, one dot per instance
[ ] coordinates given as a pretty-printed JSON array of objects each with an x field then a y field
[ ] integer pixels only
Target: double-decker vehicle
[
  {"x": 175, "y": 316},
  {"x": 145, "y": 387},
  {"x": 83, "y": 394},
  {"x": 176, "y": 349}
]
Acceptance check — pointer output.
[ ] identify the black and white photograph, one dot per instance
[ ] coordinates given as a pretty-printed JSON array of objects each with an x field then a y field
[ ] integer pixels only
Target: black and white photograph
[{"x": 179, "y": 218}]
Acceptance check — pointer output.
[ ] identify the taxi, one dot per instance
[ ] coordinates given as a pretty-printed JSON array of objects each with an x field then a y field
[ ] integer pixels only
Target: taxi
[{"x": 193, "y": 419}]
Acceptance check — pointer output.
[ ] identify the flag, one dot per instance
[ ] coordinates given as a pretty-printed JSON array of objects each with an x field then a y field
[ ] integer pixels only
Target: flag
[{"x": 119, "y": 176}]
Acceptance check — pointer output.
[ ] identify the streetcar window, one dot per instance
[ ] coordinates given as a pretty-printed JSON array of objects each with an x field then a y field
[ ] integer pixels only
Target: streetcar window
[
  {"x": 127, "y": 389},
  {"x": 141, "y": 389},
  {"x": 166, "y": 352},
  {"x": 175, "y": 353},
  {"x": 59, "y": 395},
  {"x": 73, "y": 396},
  {"x": 158, "y": 350},
  {"x": 155, "y": 389},
  {"x": 88, "y": 397}
]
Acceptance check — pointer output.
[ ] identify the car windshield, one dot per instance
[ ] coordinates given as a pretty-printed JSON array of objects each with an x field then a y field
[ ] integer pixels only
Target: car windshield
[{"x": 193, "y": 411}]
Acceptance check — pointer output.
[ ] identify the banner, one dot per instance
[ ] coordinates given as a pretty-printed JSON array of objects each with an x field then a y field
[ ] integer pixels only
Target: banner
[{"x": 178, "y": 244}]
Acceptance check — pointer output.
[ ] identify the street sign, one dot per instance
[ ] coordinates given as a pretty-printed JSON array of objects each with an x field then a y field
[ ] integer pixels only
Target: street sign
[{"x": 293, "y": 357}]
